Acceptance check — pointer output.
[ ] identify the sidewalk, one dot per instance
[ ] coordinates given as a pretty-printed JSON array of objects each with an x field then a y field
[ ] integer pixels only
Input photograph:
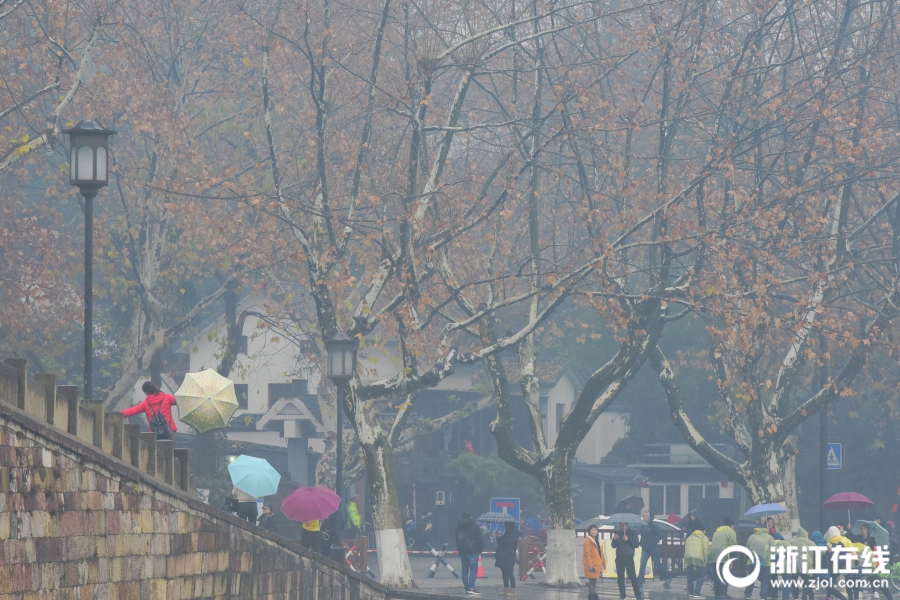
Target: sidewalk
[{"x": 490, "y": 587}]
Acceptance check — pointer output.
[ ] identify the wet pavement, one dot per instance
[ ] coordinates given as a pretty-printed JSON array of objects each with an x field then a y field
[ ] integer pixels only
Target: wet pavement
[{"x": 491, "y": 586}]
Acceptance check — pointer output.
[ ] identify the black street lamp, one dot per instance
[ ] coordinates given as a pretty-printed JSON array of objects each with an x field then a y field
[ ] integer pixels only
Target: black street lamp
[
  {"x": 88, "y": 171},
  {"x": 341, "y": 369}
]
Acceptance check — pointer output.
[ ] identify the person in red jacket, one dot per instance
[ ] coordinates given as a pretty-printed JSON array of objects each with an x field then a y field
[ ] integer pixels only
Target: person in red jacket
[{"x": 156, "y": 402}]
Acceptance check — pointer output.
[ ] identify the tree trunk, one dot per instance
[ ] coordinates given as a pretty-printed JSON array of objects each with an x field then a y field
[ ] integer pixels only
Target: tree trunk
[
  {"x": 393, "y": 560},
  {"x": 791, "y": 500},
  {"x": 562, "y": 570},
  {"x": 765, "y": 485}
]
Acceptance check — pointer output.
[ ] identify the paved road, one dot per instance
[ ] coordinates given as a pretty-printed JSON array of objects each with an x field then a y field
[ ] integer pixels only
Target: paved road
[{"x": 444, "y": 583}]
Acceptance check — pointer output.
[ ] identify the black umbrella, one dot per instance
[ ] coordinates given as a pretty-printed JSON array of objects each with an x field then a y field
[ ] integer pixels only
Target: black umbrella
[{"x": 631, "y": 504}]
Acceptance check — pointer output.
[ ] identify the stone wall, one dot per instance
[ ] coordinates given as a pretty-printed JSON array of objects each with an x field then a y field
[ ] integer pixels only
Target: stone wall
[{"x": 78, "y": 522}]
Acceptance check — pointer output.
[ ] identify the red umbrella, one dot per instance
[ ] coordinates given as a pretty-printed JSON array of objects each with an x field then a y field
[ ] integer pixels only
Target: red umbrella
[
  {"x": 848, "y": 501},
  {"x": 310, "y": 504}
]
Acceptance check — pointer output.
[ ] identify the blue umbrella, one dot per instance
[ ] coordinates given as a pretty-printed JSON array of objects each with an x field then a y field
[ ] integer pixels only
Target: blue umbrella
[
  {"x": 254, "y": 476},
  {"x": 765, "y": 510}
]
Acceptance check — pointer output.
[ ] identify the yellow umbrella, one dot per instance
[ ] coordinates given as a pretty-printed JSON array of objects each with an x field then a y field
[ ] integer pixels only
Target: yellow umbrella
[{"x": 206, "y": 400}]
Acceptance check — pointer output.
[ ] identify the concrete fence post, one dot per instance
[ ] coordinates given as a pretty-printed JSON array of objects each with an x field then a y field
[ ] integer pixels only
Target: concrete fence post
[
  {"x": 114, "y": 434},
  {"x": 96, "y": 407},
  {"x": 48, "y": 381},
  {"x": 21, "y": 366},
  {"x": 183, "y": 481},
  {"x": 69, "y": 396},
  {"x": 131, "y": 449},
  {"x": 165, "y": 461},
  {"x": 147, "y": 462}
]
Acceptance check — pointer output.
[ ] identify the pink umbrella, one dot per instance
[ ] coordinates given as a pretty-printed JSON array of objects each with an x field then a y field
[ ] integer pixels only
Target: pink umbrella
[
  {"x": 310, "y": 504},
  {"x": 848, "y": 501}
]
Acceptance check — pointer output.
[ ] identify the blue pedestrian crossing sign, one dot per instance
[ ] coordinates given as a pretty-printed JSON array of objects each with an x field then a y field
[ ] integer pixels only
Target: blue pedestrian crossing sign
[{"x": 834, "y": 458}]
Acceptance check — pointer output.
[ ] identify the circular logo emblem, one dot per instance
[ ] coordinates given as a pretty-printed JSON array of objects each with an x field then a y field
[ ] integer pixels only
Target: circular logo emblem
[{"x": 723, "y": 566}]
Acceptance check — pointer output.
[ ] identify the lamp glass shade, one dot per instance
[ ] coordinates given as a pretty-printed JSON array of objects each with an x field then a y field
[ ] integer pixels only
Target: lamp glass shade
[
  {"x": 348, "y": 363},
  {"x": 85, "y": 164},
  {"x": 101, "y": 163},
  {"x": 337, "y": 365}
]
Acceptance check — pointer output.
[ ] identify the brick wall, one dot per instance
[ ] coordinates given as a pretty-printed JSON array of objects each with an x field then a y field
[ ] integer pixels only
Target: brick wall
[{"x": 77, "y": 522}]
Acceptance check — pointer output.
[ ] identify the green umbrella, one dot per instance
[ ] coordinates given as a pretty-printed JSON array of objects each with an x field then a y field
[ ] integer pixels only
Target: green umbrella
[
  {"x": 206, "y": 400},
  {"x": 882, "y": 537}
]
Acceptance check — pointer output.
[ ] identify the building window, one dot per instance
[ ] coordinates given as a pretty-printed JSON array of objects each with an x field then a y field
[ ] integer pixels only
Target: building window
[
  {"x": 673, "y": 499},
  {"x": 560, "y": 414},
  {"x": 711, "y": 491},
  {"x": 241, "y": 391},
  {"x": 242, "y": 345},
  {"x": 657, "y": 499},
  {"x": 695, "y": 496}
]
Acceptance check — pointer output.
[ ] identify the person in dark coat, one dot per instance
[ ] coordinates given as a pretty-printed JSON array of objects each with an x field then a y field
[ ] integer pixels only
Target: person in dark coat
[
  {"x": 505, "y": 559},
  {"x": 650, "y": 550},
  {"x": 470, "y": 546},
  {"x": 624, "y": 543},
  {"x": 268, "y": 520},
  {"x": 694, "y": 522}
]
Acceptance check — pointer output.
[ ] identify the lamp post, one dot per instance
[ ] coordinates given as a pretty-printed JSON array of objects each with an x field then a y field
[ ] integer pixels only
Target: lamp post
[
  {"x": 341, "y": 369},
  {"x": 88, "y": 161}
]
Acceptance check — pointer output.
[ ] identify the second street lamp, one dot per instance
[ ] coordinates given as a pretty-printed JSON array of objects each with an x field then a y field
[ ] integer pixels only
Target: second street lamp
[
  {"x": 88, "y": 171},
  {"x": 341, "y": 352}
]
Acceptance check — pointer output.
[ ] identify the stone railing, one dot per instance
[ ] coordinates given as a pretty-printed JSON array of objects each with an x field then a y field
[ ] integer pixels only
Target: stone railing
[
  {"x": 60, "y": 406},
  {"x": 92, "y": 508}
]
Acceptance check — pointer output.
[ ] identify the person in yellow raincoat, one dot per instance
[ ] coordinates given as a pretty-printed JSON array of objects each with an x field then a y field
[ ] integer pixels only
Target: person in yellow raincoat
[{"x": 835, "y": 538}]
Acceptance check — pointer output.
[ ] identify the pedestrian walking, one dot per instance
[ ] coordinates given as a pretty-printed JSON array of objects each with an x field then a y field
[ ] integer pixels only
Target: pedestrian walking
[
  {"x": 157, "y": 407},
  {"x": 869, "y": 540},
  {"x": 625, "y": 543},
  {"x": 696, "y": 555},
  {"x": 594, "y": 559},
  {"x": 246, "y": 505},
  {"x": 505, "y": 559},
  {"x": 761, "y": 543},
  {"x": 827, "y": 580},
  {"x": 802, "y": 581},
  {"x": 723, "y": 537},
  {"x": 469, "y": 545},
  {"x": 651, "y": 536}
]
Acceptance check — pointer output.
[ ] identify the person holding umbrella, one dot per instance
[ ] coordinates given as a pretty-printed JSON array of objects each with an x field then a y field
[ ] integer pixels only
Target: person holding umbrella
[
  {"x": 505, "y": 559},
  {"x": 252, "y": 478},
  {"x": 246, "y": 504},
  {"x": 311, "y": 536},
  {"x": 871, "y": 542},
  {"x": 625, "y": 543}
]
